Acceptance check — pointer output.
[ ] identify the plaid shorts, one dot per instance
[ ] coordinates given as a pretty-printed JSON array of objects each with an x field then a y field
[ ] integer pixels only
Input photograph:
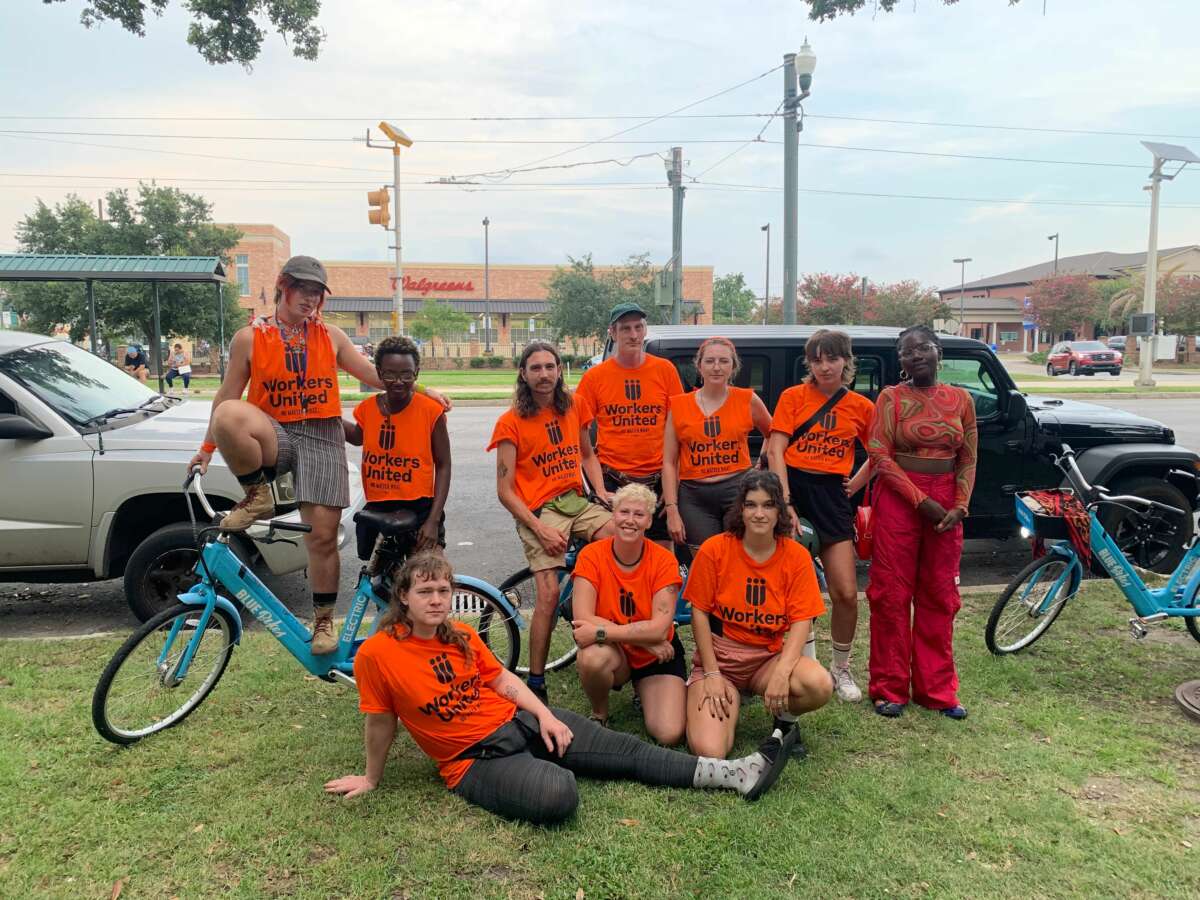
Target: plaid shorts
[{"x": 314, "y": 451}]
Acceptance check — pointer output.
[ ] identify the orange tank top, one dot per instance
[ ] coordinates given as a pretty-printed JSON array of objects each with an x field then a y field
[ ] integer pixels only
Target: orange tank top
[
  {"x": 712, "y": 445},
  {"x": 397, "y": 458},
  {"x": 294, "y": 381}
]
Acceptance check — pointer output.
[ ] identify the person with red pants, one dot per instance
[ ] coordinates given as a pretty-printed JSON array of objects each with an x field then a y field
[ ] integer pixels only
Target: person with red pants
[{"x": 923, "y": 448}]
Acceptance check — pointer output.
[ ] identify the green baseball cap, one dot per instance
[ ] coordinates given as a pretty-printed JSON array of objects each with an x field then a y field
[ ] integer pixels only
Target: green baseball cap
[
  {"x": 624, "y": 309},
  {"x": 306, "y": 268}
]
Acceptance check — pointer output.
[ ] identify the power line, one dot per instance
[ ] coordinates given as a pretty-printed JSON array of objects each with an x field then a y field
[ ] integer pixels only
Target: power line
[
  {"x": 505, "y": 173},
  {"x": 757, "y": 138},
  {"x": 1032, "y": 128}
]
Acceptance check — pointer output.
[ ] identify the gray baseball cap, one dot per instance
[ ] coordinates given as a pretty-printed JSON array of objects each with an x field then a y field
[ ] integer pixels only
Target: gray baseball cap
[{"x": 306, "y": 268}]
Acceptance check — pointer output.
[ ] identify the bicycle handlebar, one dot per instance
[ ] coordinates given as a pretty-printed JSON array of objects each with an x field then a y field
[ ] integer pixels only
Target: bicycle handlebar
[
  {"x": 1096, "y": 493},
  {"x": 195, "y": 482}
]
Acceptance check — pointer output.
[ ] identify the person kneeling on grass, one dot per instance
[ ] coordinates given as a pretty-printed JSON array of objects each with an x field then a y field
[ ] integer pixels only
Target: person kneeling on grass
[
  {"x": 754, "y": 594},
  {"x": 495, "y": 744},
  {"x": 624, "y": 609}
]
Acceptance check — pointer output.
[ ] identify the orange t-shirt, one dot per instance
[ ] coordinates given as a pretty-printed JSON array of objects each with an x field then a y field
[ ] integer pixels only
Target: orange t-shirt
[
  {"x": 629, "y": 407},
  {"x": 828, "y": 445},
  {"x": 756, "y": 603},
  {"x": 440, "y": 697},
  {"x": 397, "y": 457},
  {"x": 292, "y": 382},
  {"x": 623, "y": 597},
  {"x": 548, "y": 454},
  {"x": 716, "y": 444}
]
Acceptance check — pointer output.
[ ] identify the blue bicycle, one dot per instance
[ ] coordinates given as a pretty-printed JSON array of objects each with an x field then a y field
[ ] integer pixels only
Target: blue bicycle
[
  {"x": 166, "y": 669},
  {"x": 1037, "y": 595}
]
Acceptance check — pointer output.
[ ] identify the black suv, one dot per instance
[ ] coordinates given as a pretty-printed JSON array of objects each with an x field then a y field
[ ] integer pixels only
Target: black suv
[{"x": 1126, "y": 453}]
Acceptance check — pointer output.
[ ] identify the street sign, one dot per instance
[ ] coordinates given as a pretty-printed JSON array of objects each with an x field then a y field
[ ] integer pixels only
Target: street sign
[
  {"x": 1029, "y": 326},
  {"x": 1141, "y": 324}
]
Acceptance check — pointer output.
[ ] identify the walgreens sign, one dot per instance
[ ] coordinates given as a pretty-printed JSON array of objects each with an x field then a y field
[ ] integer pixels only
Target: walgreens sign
[{"x": 423, "y": 286}]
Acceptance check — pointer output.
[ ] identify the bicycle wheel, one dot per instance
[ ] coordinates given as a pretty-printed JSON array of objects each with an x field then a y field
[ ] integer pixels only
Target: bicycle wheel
[
  {"x": 138, "y": 696},
  {"x": 1031, "y": 603},
  {"x": 494, "y": 625},
  {"x": 521, "y": 592}
]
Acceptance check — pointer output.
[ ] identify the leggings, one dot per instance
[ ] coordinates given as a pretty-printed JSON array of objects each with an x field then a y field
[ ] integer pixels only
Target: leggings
[{"x": 516, "y": 777}]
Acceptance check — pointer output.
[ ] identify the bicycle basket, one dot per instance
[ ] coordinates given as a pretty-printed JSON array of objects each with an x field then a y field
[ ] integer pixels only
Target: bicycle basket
[{"x": 1038, "y": 521}]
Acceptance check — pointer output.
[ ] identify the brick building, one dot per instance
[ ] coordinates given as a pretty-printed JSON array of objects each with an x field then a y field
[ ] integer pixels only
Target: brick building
[
  {"x": 993, "y": 308},
  {"x": 361, "y": 298}
]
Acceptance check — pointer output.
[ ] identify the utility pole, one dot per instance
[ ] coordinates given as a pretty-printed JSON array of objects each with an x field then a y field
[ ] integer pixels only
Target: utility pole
[
  {"x": 962, "y": 287},
  {"x": 675, "y": 179},
  {"x": 487, "y": 293},
  {"x": 797, "y": 79},
  {"x": 767, "y": 278},
  {"x": 1146, "y": 358},
  {"x": 1054, "y": 237},
  {"x": 399, "y": 139}
]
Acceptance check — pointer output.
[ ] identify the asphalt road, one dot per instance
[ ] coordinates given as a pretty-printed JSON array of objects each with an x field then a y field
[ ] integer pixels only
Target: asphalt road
[{"x": 480, "y": 536}]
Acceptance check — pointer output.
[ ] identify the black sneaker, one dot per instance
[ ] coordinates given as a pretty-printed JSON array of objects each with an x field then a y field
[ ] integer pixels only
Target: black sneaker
[
  {"x": 799, "y": 751},
  {"x": 775, "y": 751},
  {"x": 540, "y": 693}
]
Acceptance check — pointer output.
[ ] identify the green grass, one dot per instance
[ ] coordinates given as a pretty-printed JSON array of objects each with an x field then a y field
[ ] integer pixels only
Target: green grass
[{"x": 1074, "y": 776}]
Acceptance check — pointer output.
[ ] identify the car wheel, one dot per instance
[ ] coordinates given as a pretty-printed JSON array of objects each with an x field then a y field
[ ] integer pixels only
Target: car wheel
[
  {"x": 1050, "y": 370},
  {"x": 1154, "y": 540},
  {"x": 1089, "y": 373},
  {"x": 1072, "y": 369},
  {"x": 1115, "y": 372},
  {"x": 163, "y": 566}
]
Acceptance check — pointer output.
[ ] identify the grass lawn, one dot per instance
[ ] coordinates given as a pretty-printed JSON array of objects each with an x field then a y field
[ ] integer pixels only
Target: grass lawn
[{"x": 1074, "y": 776}]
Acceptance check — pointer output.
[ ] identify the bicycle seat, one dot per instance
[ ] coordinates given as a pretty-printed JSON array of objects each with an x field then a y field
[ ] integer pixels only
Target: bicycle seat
[{"x": 402, "y": 521}]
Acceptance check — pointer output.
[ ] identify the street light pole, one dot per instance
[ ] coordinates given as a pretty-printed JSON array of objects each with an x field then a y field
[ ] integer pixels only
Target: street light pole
[
  {"x": 487, "y": 293},
  {"x": 1146, "y": 359},
  {"x": 962, "y": 287},
  {"x": 674, "y": 167},
  {"x": 1054, "y": 237},
  {"x": 798, "y": 70},
  {"x": 399, "y": 139},
  {"x": 767, "y": 278}
]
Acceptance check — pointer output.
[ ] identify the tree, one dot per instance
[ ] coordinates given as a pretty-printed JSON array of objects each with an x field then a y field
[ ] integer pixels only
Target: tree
[
  {"x": 161, "y": 221},
  {"x": 831, "y": 300},
  {"x": 822, "y": 10},
  {"x": 580, "y": 299},
  {"x": 733, "y": 302},
  {"x": 438, "y": 319},
  {"x": 222, "y": 31},
  {"x": 905, "y": 303},
  {"x": 1063, "y": 302}
]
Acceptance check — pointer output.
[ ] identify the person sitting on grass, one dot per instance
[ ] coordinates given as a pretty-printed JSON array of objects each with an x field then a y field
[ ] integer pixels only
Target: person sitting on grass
[
  {"x": 624, "y": 608},
  {"x": 406, "y": 451},
  {"x": 495, "y": 744},
  {"x": 754, "y": 594}
]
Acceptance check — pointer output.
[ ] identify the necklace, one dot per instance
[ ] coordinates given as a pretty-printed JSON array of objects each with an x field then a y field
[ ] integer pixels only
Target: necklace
[
  {"x": 700, "y": 398},
  {"x": 630, "y": 565},
  {"x": 289, "y": 332}
]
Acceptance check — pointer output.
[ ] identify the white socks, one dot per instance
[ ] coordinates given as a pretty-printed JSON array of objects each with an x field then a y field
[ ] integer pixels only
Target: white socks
[
  {"x": 841, "y": 654},
  {"x": 739, "y": 775}
]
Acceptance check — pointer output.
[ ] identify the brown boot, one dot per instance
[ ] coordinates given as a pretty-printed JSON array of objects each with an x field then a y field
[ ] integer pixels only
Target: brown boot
[
  {"x": 257, "y": 504},
  {"x": 323, "y": 639}
]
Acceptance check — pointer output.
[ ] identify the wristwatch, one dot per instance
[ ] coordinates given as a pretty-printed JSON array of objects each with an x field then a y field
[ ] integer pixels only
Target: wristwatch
[{"x": 601, "y": 635}]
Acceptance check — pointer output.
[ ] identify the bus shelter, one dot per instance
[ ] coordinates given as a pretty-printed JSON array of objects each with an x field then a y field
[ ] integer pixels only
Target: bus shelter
[{"x": 155, "y": 270}]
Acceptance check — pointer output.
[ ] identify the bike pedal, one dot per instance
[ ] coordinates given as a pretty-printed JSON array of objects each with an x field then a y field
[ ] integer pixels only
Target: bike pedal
[{"x": 1137, "y": 630}]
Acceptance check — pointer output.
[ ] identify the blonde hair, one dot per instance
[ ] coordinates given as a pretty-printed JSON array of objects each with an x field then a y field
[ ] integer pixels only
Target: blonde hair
[
  {"x": 724, "y": 342},
  {"x": 636, "y": 493}
]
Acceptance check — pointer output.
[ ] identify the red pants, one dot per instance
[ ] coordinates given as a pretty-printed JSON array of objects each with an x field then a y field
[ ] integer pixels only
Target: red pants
[{"x": 913, "y": 594}]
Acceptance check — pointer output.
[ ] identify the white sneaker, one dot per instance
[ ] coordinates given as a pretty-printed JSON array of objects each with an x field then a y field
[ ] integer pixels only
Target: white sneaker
[{"x": 843, "y": 684}]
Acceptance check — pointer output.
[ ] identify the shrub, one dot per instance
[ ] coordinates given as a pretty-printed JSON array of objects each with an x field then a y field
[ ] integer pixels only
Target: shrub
[
  {"x": 495, "y": 362},
  {"x": 478, "y": 362},
  {"x": 1038, "y": 358}
]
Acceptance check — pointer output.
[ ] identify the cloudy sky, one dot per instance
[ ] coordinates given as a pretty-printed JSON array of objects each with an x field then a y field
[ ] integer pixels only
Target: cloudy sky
[{"x": 282, "y": 144}]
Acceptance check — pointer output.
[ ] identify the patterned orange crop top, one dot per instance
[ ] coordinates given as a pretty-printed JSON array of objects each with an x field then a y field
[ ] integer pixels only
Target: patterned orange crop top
[{"x": 935, "y": 423}]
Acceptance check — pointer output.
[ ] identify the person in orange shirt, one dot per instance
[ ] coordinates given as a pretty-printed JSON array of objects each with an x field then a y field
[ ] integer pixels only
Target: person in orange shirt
[
  {"x": 705, "y": 446},
  {"x": 291, "y": 421},
  {"x": 814, "y": 458},
  {"x": 624, "y": 600},
  {"x": 406, "y": 450},
  {"x": 627, "y": 396},
  {"x": 541, "y": 455},
  {"x": 754, "y": 594},
  {"x": 496, "y": 745}
]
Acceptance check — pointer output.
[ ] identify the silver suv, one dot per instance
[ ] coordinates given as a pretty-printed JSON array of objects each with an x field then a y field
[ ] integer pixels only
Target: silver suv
[{"x": 91, "y": 465}]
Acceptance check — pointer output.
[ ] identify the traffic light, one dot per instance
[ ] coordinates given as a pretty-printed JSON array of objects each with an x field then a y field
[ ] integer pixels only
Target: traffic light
[{"x": 379, "y": 212}]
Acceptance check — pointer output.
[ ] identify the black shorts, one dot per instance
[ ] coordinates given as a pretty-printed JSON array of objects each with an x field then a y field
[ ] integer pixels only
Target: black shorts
[
  {"x": 676, "y": 665},
  {"x": 401, "y": 547},
  {"x": 821, "y": 498},
  {"x": 658, "y": 525}
]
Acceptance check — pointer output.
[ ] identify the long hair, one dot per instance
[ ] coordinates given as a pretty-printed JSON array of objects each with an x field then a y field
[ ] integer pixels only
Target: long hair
[
  {"x": 758, "y": 480},
  {"x": 288, "y": 281},
  {"x": 523, "y": 402},
  {"x": 832, "y": 344},
  {"x": 425, "y": 566}
]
